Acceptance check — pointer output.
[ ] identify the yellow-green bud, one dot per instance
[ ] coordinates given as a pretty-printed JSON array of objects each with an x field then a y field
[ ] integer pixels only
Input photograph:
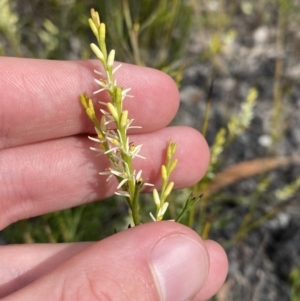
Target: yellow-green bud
[
  {"x": 90, "y": 113},
  {"x": 101, "y": 39},
  {"x": 156, "y": 198},
  {"x": 173, "y": 165},
  {"x": 124, "y": 119},
  {"x": 111, "y": 59},
  {"x": 171, "y": 149},
  {"x": 164, "y": 174},
  {"x": 93, "y": 27},
  {"x": 95, "y": 17},
  {"x": 102, "y": 32},
  {"x": 83, "y": 101},
  {"x": 162, "y": 211},
  {"x": 118, "y": 95},
  {"x": 102, "y": 123},
  {"x": 91, "y": 105},
  {"x": 113, "y": 111},
  {"x": 168, "y": 189},
  {"x": 97, "y": 52}
]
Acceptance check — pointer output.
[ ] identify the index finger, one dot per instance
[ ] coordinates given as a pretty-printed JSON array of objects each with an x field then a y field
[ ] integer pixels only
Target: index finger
[{"x": 40, "y": 98}]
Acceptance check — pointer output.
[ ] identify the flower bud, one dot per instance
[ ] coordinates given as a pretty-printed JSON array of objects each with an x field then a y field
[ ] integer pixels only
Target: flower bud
[
  {"x": 111, "y": 59},
  {"x": 97, "y": 52}
]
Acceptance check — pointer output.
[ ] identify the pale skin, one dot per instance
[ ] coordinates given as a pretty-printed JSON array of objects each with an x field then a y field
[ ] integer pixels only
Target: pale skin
[{"x": 46, "y": 165}]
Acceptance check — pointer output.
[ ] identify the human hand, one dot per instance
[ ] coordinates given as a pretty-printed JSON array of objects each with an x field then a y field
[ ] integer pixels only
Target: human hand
[{"x": 45, "y": 165}]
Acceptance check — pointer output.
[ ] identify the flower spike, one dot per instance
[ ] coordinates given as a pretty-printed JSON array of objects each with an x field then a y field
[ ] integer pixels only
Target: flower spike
[{"x": 112, "y": 131}]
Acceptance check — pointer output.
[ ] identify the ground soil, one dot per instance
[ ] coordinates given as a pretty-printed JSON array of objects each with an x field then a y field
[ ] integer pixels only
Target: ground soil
[{"x": 260, "y": 262}]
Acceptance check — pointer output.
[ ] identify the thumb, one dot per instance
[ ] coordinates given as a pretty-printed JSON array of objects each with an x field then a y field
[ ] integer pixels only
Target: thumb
[{"x": 156, "y": 261}]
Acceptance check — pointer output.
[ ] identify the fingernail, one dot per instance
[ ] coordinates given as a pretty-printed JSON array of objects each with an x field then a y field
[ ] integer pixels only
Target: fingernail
[{"x": 179, "y": 266}]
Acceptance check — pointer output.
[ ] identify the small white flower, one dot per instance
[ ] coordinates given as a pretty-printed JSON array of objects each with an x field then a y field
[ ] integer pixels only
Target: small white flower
[
  {"x": 103, "y": 84},
  {"x": 124, "y": 93},
  {"x": 134, "y": 151},
  {"x": 138, "y": 178}
]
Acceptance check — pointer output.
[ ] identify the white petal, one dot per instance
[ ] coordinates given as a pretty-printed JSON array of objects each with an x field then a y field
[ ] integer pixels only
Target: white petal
[
  {"x": 111, "y": 150},
  {"x": 139, "y": 174},
  {"x": 109, "y": 177},
  {"x": 98, "y": 72},
  {"x": 117, "y": 173},
  {"x": 121, "y": 183},
  {"x": 95, "y": 139},
  {"x": 122, "y": 193},
  {"x": 152, "y": 217},
  {"x": 98, "y": 150},
  {"x": 105, "y": 112},
  {"x": 98, "y": 91},
  {"x": 104, "y": 173},
  {"x": 117, "y": 68},
  {"x": 138, "y": 156},
  {"x": 163, "y": 209},
  {"x": 125, "y": 91}
]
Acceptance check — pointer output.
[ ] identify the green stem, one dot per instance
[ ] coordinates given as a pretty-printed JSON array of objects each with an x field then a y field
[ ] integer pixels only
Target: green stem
[
  {"x": 135, "y": 203},
  {"x": 133, "y": 32}
]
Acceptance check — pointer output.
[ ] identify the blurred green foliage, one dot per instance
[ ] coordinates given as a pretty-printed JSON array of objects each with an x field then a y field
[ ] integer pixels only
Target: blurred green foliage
[
  {"x": 152, "y": 33},
  {"x": 295, "y": 281},
  {"x": 89, "y": 222}
]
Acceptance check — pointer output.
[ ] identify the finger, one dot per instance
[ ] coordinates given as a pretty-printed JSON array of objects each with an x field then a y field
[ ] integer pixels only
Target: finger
[
  {"x": 22, "y": 264},
  {"x": 40, "y": 98},
  {"x": 217, "y": 271},
  {"x": 155, "y": 261},
  {"x": 57, "y": 174}
]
